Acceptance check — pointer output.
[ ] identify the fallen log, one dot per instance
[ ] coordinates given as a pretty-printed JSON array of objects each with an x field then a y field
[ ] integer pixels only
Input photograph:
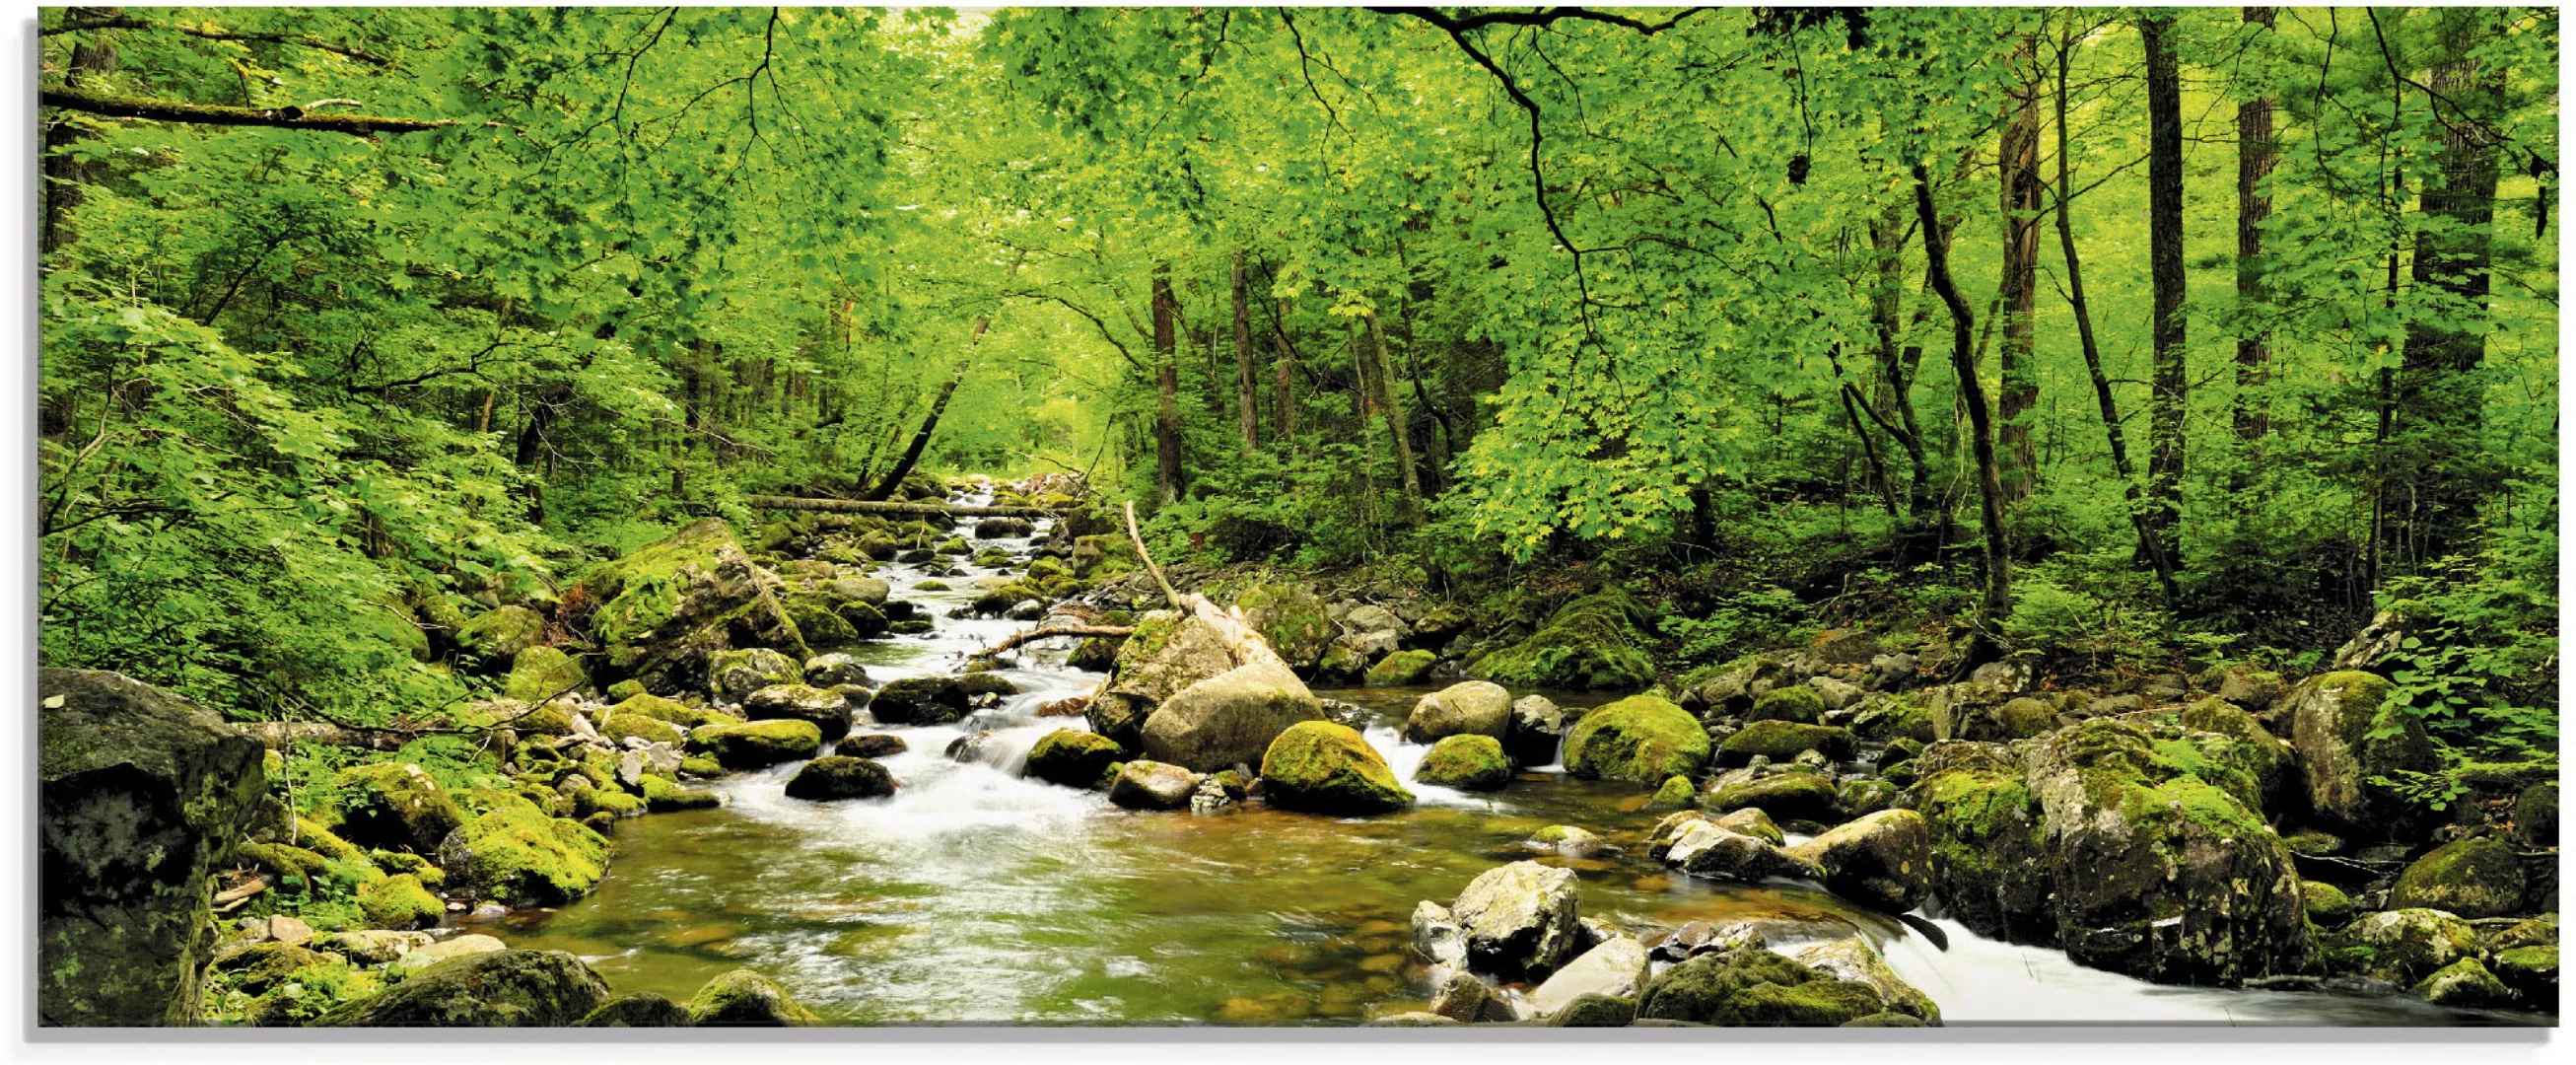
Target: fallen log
[
  {"x": 230, "y": 899},
  {"x": 280, "y": 734},
  {"x": 865, "y": 506},
  {"x": 1032, "y": 635},
  {"x": 1245, "y": 643}
]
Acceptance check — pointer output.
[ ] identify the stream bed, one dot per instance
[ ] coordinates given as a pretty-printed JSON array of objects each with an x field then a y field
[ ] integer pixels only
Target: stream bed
[{"x": 974, "y": 896}]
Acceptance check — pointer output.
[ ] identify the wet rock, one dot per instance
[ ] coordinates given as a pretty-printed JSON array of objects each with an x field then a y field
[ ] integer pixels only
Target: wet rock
[
  {"x": 1752, "y": 821},
  {"x": 1229, "y": 718},
  {"x": 1701, "y": 937},
  {"x": 833, "y": 777},
  {"x": 832, "y": 670},
  {"x": 1537, "y": 727},
  {"x": 1754, "y": 988},
  {"x": 1675, "y": 793},
  {"x": 1468, "y": 1000},
  {"x": 1789, "y": 796},
  {"x": 1641, "y": 738},
  {"x": 2331, "y": 718},
  {"x": 2402, "y": 946},
  {"x": 500, "y": 989},
  {"x": 920, "y": 701},
  {"x": 826, "y": 709},
  {"x": 141, "y": 797},
  {"x": 745, "y": 999},
  {"x": 1468, "y": 761},
  {"x": 1571, "y": 841},
  {"x": 1782, "y": 741},
  {"x": 1072, "y": 758},
  {"x": 1474, "y": 707},
  {"x": 1987, "y": 845},
  {"x": 1437, "y": 935},
  {"x": 1882, "y": 861},
  {"x": 2473, "y": 877},
  {"x": 733, "y": 675},
  {"x": 1705, "y": 850},
  {"x": 1321, "y": 767},
  {"x": 1401, "y": 668},
  {"x": 1856, "y": 961},
  {"x": 2464, "y": 984},
  {"x": 757, "y": 744},
  {"x": 1149, "y": 785},
  {"x": 640, "y": 1010},
  {"x": 1616, "y": 968},
  {"x": 871, "y": 745},
  {"x": 1518, "y": 920}
]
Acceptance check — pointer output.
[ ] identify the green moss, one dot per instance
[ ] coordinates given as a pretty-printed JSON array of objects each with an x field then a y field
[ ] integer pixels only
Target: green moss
[
  {"x": 541, "y": 673},
  {"x": 1782, "y": 741},
  {"x": 626, "y": 689},
  {"x": 2474, "y": 877},
  {"x": 743, "y": 998},
  {"x": 1753, "y": 987},
  {"x": 699, "y": 765},
  {"x": 1790, "y": 702},
  {"x": 661, "y": 795},
  {"x": 2327, "y": 905},
  {"x": 403, "y": 862},
  {"x": 400, "y": 902},
  {"x": 758, "y": 744},
  {"x": 1796, "y": 796},
  {"x": 521, "y": 857},
  {"x": 396, "y": 805},
  {"x": 1073, "y": 758},
  {"x": 668, "y": 710},
  {"x": 1643, "y": 738},
  {"x": 1676, "y": 793},
  {"x": 1323, "y": 767},
  {"x": 1472, "y": 762},
  {"x": 1593, "y": 643},
  {"x": 1400, "y": 668},
  {"x": 620, "y": 726},
  {"x": 606, "y": 799}
]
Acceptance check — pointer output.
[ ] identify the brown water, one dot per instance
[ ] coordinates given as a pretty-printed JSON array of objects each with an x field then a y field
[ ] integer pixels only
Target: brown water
[{"x": 976, "y": 896}]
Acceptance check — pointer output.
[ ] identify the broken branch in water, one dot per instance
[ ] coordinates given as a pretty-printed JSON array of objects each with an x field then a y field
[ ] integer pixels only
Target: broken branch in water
[{"x": 1032, "y": 635}]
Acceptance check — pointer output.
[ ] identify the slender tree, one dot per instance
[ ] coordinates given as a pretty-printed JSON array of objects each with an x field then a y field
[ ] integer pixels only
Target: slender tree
[
  {"x": 2254, "y": 161},
  {"x": 2017, "y": 164},
  {"x": 1972, "y": 395},
  {"x": 2172, "y": 385}
]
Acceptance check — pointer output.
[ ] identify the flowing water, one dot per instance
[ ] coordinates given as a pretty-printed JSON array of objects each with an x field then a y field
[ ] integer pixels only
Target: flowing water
[{"x": 975, "y": 896}]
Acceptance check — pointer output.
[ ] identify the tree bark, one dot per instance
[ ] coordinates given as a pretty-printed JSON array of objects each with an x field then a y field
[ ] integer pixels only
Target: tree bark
[
  {"x": 64, "y": 175},
  {"x": 1247, "y": 402},
  {"x": 1167, "y": 390},
  {"x": 218, "y": 115},
  {"x": 1972, "y": 395},
  {"x": 2017, "y": 159},
  {"x": 2253, "y": 163},
  {"x": 2172, "y": 397},
  {"x": 1287, "y": 375},
  {"x": 1393, "y": 408}
]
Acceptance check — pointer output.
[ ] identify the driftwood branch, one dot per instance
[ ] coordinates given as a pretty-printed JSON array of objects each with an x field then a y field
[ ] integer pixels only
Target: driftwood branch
[
  {"x": 218, "y": 115},
  {"x": 1138, "y": 539},
  {"x": 1032, "y": 635},
  {"x": 231, "y": 899},
  {"x": 864, "y": 506}
]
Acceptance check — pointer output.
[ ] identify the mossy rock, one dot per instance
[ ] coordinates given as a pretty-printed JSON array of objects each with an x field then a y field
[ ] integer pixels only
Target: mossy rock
[
  {"x": 733, "y": 675},
  {"x": 1594, "y": 643},
  {"x": 818, "y": 618},
  {"x": 2531, "y": 972},
  {"x": 662, "y": 795},
  {"x": 1752, "y": 987},
  {"x": 2464, "y": 984},
  {"x": 541, "y": 673},
  {"x": 1676, "y": 793},
  {"x": 642, "y": 1009},
  {"x": 1988, "y": 844},
  {"x": 395, "y": 805},
  {"x": 405, "y": 862},
  {"x": 1790, "y": 702},
  {"x": 620, "y": 726},
  {"x": 919, "y": 701},
  {"x": 400, "y": 902},
  {"x": 497, "y": 989},
  {"x": 745, "y": 999},
  {"x": 608, "y": 800},
  {"x": 1322, "y": 767},
  {"x": 2474, "y": 877},
  {"x": 498, "y": 635},
  {"x": 1642, "y": 738},
  {"x": 1073, "y": 758},
  {"x": 1793, "y": 796},
  {"x": 521, "y": 857},
  {"x": 1401, "y": 668},
  {"x": 1291, "y": 616},
  {"x": 828, "y": 710},
  {"x": 668, "y": 710},
  {"x": 1784, "y": 741},
  {"x": 1466, "y": 761},
  {"x": 626, "y": 689},
  {"x": 758, "y": 744},
  {"x": 834, "y": 777},
  {"x": 660, "y": 609},
  {"x": 699, "y": 765},
  {"x": 2327, "y": 905}
]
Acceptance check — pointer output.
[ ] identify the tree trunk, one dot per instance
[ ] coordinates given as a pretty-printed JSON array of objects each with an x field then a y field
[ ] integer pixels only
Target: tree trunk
[
  {"x": 2017, "y": 158},
  {"x": 903, "y": 465},
  {"x": 1287, "y": 376},
  {"x": 1972, "y": 395},
  {"x": 1246, "y": 400},
  {"x": 2150, "y": 545},
  {"x": 2437, "y": 384},
  {"x": 1393, "y": 408},
  {"x": 2253, "y": 163},
  {"x": 63, "y": 175},
  {"x": 1167, "y": 390},
  {"x": 2172, "y": 396}
]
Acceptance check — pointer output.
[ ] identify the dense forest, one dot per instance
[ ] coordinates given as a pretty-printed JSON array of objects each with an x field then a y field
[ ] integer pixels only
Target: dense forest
[{"x": 2108, "y": 343}]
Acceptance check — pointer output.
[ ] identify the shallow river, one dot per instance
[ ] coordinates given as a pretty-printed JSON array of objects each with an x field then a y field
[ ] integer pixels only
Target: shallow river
[{"x": 975, "y": 896}]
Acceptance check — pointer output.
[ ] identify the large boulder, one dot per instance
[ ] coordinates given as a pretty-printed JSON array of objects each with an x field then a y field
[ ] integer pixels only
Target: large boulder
[
  {"x": 1702, "y": 849},
  {"x": 642, "y": 1009},
  {"x": 1782, "y": 741},
  {"x": 1292, "y": 618},
  {"x": 516, "y": 855},
  {"x": 660, "y": 610},
  {"x": 745, "y": 999},
  {"x": 1401, "y": 668},
  {"x": 1987, "y": 840},
  {"x": 2402, "y": 946},
  {"x": 396, "y": 806},
  {"x": 1467, "y": 761},
  {"x": 142, "y": 796},
  {"x": 541, "y": 673},
  {"x": 1228, "y": 718},
  {"x": 833, "y": 777},
  {"x": 1518, "y": 920},
  {"x": 1750, "y": 986},
  {"x": 498, "y": 635},
  {"x": 733, "y": 675},
  {"x": 1537, "y": 729},
  {"x": 828, "y": 710},
  {"x": 1323, "y": 767},
  {"x": 497, "y": 989},
  {"x": 1882, "y": 861},
  {"x": 2473, "y": 877},
  {"x": 1855, "y": 960},
  {"x": 1615, "y": 967},
  {"x": 1788, "y": 796},
  {"x": 1474, "y": 707},
  {"x": 1072, "y": 758},
  {"x": 2333, "y": 719},
  {"x": 1642, "y": 738},
  {"x": 920, "y": 701},
  {"x": 1595, "y": 643},
  {"x": 757, "y": 744}
]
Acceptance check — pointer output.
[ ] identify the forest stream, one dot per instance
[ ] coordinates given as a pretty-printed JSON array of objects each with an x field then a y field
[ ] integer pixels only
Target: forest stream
[{"x": 976, "y": 896}]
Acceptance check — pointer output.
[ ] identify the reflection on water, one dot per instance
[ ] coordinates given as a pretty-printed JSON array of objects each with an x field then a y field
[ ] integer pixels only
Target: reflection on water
[{"x": 973, "y": 895}]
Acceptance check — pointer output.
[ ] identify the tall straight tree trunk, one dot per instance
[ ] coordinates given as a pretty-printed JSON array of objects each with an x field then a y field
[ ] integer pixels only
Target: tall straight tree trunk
[
  {"x": 1287, "y": 375},
  {"x": 1393, "y": 408},
  {"x": 2437, "y": 388},
  {"x": 1895, "y": 389},
  {"x": 63, "y": 175},
  {"x": 1247, "y": 400},
  {"x": 2172, "y": 397},
  {"x": 893, "y": 481},
  {"x": 1167, "y": 389},
  {"x": 1972, "y": 395},
  {"x": 2017, "y": 158},
  {"x": 2150, "y": 545},
  {"x": 2253, "y": 163}
]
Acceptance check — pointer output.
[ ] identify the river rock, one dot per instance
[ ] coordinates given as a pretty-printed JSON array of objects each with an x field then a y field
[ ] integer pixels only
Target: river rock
[
  {"x": 423, "y": 955},
  {"x": 1754, "y": 988},
  {"x": 1752, "y": 821},
  {"x": 833, "y": 670},
  {"x": 142, "y": 795},
  {"x": 1615, "y": 968},
  {"x": 1072, "y": 758},
  {"x": 833, "y": 777},
  {"x": 1595, "y": 1011},
  {"x": 920, "y": 701},
  {"x": 733, "y": 675},
  {"x": 1322, "y": 767},
  {"x": 1988, "y": 867},
  {"x": 642, "y": 1009},
  {"x": 2331, "y": 717},
  {"x": 497, "y": 989},
  {"x": 1855, "y": 960},
  {"x": 2464, "y": 984},
  {"x": 372, "y": 946},
  {"x": 826, "y": 709},
  {"x": 1229, "y": 718},
  {"x": 1704, "y": 850},
  {"x": 498, "y": 635},
  {"x": 1593, "y": 643},
  {"x": 1292, "y": 617},
  {"x": 1882, "y": 861},
  {"x": 662, "y": 609},
  {"x": 1437, "y": 937},
  {"x": 395, "y": 806},
  {"x": 1643, "y": 738},
  {"x": 1400, "y": 669},
  {"x": 1795, "y": 795},
  {"x": 757, "y": 744},
  {"x": 1467, "y": 1000},
  {"x": 871, "y": 745},
  {"x": 1782, "y": 741},
  {"x": 1150, "y": 785},
  {"x": 1468, "y": 761},
  {"x": 1518, "y": 920},
  {"x": 868, "y": 590},
  {"x": 1472, "y": 707},
  {"x": 2402, "y": 946},
  {"x": 2473, "y": 877},
  {"x": 1537, "y": 728},
  {"x": 745, "y": 999}
]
